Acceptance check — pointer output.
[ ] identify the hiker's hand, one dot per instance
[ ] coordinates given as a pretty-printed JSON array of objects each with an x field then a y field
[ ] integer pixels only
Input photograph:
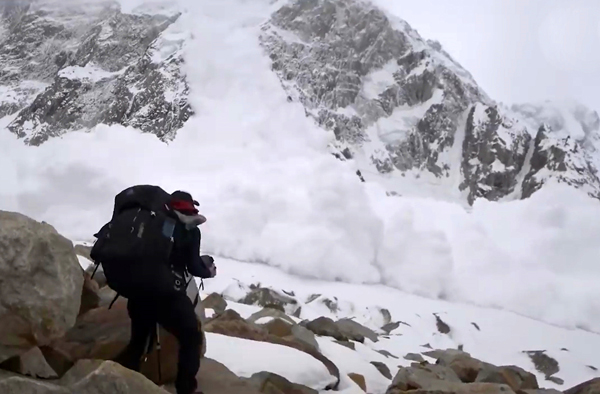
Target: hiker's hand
[{"x": 209, "y": 263}]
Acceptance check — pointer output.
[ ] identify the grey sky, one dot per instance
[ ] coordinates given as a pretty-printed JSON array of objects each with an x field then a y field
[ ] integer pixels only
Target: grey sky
[{"x": 517, "y": 50}]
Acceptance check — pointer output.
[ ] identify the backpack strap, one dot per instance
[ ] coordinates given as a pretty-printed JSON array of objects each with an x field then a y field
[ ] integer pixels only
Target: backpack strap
[
  {"x": 114, "y": 300},
  {"x": 95, "y": 269}
]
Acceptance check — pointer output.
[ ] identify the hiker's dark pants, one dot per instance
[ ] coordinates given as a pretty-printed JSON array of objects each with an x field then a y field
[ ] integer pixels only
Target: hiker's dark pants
[{"x": 176, "y": 315}]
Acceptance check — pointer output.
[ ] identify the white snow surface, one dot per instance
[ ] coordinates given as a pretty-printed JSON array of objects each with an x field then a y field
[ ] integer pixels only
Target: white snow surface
[
  {"x": 274, "y": 194},
  {"x": 494, "y": 336},
  {"x": 245, "y": 358},
  {"x": 90, "y": 73}
]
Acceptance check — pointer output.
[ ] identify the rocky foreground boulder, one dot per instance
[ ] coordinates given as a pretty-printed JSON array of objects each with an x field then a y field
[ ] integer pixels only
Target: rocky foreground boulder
[
  {"x": 86, "y": 377},
  {"x": 456, "y": 371},
  {"x": 58, "y": 336},
  {"x": 40, "y": 284}
]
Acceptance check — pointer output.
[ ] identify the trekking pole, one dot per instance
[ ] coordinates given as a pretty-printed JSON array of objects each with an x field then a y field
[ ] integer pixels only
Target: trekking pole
[{"x": 158, "y": 352}]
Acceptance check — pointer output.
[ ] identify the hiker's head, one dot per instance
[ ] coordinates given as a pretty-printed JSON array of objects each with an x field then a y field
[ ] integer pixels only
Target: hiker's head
[{"x": 185, "y": 207}]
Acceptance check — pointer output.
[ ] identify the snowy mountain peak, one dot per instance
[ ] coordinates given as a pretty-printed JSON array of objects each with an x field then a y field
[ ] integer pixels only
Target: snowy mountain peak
[
  {"x": 400, "y": 106},
  {"x": 73, "y": 65}
]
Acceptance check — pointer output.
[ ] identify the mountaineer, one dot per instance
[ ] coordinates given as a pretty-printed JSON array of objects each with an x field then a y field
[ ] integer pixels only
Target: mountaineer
[{"x": 147, "y": 251}]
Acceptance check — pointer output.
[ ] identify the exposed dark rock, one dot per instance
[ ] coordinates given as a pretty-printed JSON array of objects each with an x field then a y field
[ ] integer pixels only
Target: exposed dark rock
[
  {"x": 561, "y": 158},
  {"x": 349, "y": 345},
  {"x": 441, "y": 325},
  {"x": 589, "y": 387},
  {"x": 387, "y": 354},
  {"x": 494, "y": 151},
  {"x": 268, "y": 298},
  {"x": 356, "y": 331},
  {"x": 414, "y": 357},
  {"x": 384, "y": 369},
  {"x": 555, "y": 379},
  {"x": 324, "y": 326},
  {"x": 543, "y": 363}
]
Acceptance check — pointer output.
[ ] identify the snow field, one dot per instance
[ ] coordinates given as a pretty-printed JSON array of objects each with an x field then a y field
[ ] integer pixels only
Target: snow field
[
  {"x": 245, "y": 358},
  {"x": 494, "y": 336}
]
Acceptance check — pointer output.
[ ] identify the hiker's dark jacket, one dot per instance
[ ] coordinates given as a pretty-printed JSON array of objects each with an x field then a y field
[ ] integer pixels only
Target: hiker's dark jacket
[{"x": 186, "y": 252}]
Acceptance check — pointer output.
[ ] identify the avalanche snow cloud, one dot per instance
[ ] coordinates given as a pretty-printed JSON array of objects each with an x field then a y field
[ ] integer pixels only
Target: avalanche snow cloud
[{"x": 274, "y": 194}]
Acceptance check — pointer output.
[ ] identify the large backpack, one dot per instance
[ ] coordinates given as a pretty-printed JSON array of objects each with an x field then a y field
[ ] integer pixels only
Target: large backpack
[{"x": 134, "y": 248}]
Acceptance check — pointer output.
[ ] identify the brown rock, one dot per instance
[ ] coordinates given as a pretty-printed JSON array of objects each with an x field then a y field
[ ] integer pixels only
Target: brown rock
[
  {"x": 86, "y": 377},
  {"x": 459, "y": 388},
  {"x": 40, "y": 284},
  {"x": 90, "y": 298},
  {"x": 266, "y": 297},
  {"x": 107, "y": 377},
  {"x": 466, "y": 367},
  {"x": 215, "y": 378},
  {"x": 304, "y": 335},
  {"x": 589, "y": 387},
  {"x": 539, "y": 391},
  {"x": 99, "y": 276},
  {"x": 31, "y": 363},
  {"x": 107, "y": 295},
  {"x": 269, "y": 383},
  {"x": 99, "y": 334},
  {"x": 324, "y": 326},
  {"x": 359, "y": 380},
  {"x": 513, "y": 376},
  {"x": 232, "y": 324},
  {"x": 58, "y": 361},
  {"x": 270, "y": 312},
  {"x": 427, "y": 376},
  {"x": 278, "y": 327},
  {"x": 103, "y": 334},
  {"x": 215, "y": 302}
]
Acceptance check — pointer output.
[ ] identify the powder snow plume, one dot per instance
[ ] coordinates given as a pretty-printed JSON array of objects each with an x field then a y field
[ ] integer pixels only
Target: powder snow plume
[{"x": 274, "y": 194}]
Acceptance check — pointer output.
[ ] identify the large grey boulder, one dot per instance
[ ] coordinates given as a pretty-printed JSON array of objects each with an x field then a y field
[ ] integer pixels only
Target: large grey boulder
[
  {"x": 40, "y": 284},
  {"x": 356, "y": 331},
  {"x": 32, "y": 363},
  {"x": 86, "y": 377},
  {"x": 269, "y": 298}
]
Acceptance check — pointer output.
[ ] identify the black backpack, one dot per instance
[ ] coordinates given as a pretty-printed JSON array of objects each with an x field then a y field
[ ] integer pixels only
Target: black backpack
[{"x": 134, "y": 248}]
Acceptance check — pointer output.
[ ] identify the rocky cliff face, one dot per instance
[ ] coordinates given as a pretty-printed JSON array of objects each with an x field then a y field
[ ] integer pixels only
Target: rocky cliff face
[
  {"x": 76, "y": 65},
  {"x": 385, "y": 93},
  {"x": 406, "y": 104}
]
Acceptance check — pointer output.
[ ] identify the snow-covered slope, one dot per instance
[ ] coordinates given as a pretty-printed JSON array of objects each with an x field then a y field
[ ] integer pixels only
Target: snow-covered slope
[
  {"x": 407, "y": 328},
  {"x": 498, "y": 337},
  {"x": 274, "y": 193}
]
